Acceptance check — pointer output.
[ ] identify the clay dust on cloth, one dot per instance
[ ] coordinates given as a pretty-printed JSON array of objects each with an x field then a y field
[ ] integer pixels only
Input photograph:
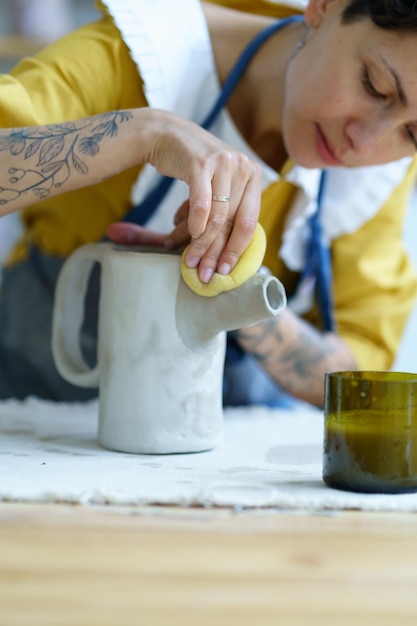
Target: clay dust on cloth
[{"x": 269, "y": 458}]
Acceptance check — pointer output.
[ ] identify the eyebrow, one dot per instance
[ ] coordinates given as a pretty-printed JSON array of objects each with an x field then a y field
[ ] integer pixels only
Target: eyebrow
[{"x": 399, "y": 86}]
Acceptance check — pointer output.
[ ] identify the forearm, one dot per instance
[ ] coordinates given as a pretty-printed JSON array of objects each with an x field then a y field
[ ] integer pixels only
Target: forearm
[
  {"x": 296, "y": 355},
  {"x": 43, "y": 161},
  {"x": 40, "y": 162}
]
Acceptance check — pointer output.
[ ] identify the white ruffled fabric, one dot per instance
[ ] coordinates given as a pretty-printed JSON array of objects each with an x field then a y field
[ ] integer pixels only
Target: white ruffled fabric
[
  {"x": 351, "y": 198},
  {"x": 171, "y": 46}
]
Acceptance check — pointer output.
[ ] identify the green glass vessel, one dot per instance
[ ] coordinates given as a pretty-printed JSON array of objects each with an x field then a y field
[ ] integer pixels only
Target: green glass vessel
[{"x": 370, "y": 438}]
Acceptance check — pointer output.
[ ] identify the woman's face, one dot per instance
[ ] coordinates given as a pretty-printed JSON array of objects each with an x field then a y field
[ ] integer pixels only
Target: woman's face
[{"x": 350, "y": 93}]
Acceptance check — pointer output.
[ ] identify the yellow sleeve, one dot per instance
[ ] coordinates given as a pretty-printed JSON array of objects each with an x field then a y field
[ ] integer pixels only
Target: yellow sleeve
[
  {"x": 88, "y": 72},
  {"x": 375, "y": 282}
]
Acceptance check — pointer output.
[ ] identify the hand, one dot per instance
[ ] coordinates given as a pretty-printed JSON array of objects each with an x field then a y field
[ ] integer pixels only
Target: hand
[{"x": 220, "y": 231}]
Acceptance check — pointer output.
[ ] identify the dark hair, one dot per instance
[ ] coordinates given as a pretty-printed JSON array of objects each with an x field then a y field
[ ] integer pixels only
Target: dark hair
[{"x": 390, "y": 14}]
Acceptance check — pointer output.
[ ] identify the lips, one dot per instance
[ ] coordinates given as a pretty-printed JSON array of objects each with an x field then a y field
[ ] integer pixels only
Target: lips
[{"x": 324, "y": 150}]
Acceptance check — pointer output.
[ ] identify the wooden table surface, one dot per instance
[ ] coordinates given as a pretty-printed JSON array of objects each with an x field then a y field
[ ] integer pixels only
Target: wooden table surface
[{"x": 65, "y": 565}]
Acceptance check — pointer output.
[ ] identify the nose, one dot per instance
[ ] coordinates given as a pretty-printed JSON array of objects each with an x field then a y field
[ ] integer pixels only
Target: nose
[{"x": 367, "y": 133}]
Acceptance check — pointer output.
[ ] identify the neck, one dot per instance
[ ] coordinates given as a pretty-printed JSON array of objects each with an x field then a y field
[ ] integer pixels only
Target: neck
[
  {"x": 264, "y": 86},
  {"x": 257, "y": 101}
]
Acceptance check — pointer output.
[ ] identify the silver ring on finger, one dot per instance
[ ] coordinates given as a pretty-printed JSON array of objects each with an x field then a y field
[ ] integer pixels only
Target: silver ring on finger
[{"x": 219, "y": 198}]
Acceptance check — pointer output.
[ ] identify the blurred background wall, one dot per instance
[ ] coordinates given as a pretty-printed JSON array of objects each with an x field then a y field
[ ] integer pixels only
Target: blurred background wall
[
  {"x": 407, "y": 357},
  {"x": 26, "y": 25},
  {"x": 44, "y": 19}
]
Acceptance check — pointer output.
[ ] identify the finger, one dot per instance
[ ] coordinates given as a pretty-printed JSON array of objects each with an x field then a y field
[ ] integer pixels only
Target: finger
[
  {"x": 242, "y": 231},
  {"x": 129, "y": 234},
  {"x": 217, "y": 220},
  {"x": 178, "y": 237},
  {"x": 226, "y": 249},
  {"x": 209, "y": 260},
  {"x": 203, "y": 208},
  {"x": 182, "y": 212}
]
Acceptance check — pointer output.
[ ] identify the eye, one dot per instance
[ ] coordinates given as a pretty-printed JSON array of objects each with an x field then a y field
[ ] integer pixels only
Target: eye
[
  {"x": 411, "y": 137},
  {"x": 367, "y": 83}
]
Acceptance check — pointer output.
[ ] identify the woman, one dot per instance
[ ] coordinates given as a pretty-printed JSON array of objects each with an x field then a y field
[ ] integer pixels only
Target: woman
[{"x": 334, "y": 90}]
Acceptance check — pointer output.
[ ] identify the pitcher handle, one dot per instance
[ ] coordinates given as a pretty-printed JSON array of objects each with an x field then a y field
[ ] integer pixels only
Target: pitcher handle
[{"x": 68, "y": 315}]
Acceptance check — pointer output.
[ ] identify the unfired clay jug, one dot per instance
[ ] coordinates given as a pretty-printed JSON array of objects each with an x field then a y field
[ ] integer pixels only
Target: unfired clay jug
[{"x": 161, "y": 347}]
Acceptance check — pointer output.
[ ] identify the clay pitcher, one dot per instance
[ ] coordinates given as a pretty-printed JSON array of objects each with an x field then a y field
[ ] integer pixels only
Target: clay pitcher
[{"x": 161, "y": 347}]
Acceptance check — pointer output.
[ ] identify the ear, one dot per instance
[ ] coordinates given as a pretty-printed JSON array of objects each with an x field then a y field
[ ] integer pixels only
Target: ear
[{"x": 315, "y": 12}]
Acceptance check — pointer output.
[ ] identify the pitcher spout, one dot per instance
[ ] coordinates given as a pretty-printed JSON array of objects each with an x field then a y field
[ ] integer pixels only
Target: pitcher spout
[{"x": 200, "y": 319}]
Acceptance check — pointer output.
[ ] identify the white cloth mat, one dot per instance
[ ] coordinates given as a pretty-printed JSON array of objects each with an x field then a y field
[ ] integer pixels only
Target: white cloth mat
[{"x": 268, "y": 458}]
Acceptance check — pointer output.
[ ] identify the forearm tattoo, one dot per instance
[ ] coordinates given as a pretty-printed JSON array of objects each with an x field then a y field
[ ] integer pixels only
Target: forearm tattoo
[
  {"x": 295, "y": 357},
  {"x": 54, "y": 153}
]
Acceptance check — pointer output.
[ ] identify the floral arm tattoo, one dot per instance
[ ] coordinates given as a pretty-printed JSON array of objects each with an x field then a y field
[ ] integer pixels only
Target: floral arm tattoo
[{"x": 58, "y": 149}]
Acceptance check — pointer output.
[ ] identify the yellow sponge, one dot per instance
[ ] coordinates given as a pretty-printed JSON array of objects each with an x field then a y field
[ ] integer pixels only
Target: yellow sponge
[{"x": 248, "y": 264}]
